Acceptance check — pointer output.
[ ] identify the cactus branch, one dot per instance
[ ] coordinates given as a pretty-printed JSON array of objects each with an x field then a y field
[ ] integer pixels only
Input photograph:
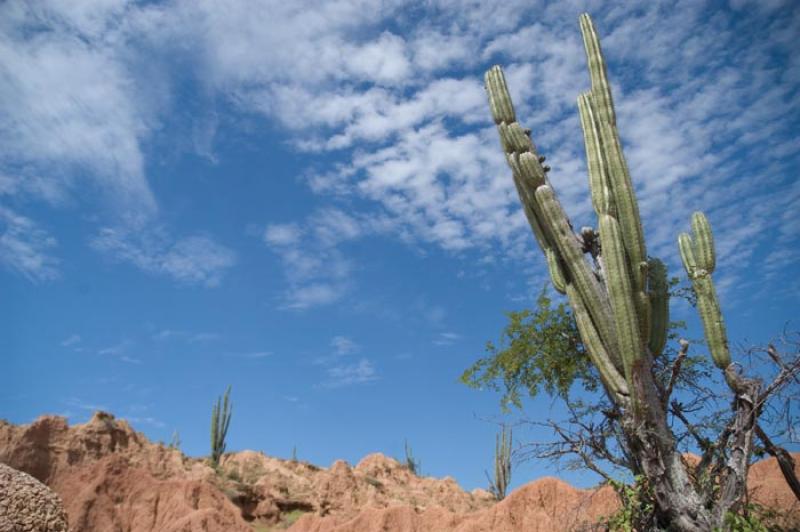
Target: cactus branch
[{"x": 220, "y": 421}]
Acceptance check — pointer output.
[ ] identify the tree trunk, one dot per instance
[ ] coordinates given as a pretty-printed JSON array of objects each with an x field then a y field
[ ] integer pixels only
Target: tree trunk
[{"x": 678, "y": 504}]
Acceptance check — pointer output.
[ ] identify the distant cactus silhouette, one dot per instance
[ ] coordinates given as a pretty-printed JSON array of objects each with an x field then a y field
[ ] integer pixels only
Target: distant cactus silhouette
[
  {"x": 502, "y": 464},
  {"x": 412, "y": 464},
  {"x": 220, "y": 421}
]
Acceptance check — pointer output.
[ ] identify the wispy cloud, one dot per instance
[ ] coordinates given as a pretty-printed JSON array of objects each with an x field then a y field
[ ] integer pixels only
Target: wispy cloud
[
  {"x": 120, "y": 351},
  {"x": 187, "y": 336},
  {"x": 342, "y": 345},
  {"x": 398, "y": 105},
  {"x": 446, "y": 338},
  {"x": 191, "y": 260},
  {"x": 69, "y": 101},
  {"x": 253, "y": 355},
  {"x": 25, "y": 247},
  {"x": 340, "y": 368},
  {"x": 317, "y": 270},
  {"x": 347, "y": 374},
  {"x": 74, "y": 402},
  {"x": 71, "y": 340}
]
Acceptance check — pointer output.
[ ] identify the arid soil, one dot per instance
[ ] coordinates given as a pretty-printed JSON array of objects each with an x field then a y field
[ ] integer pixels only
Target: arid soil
[{"x": 112, "y": 478}]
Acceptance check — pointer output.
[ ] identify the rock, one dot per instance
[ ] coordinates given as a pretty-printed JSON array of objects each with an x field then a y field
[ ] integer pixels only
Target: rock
[
  {"x": 112, "y": 478},
  {"x": 27, "y": 505}
]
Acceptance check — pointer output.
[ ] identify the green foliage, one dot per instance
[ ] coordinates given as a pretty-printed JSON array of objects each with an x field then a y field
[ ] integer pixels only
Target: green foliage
[
  {"x": 412, "y": 464},
  {"x": 637, "y": 511},
  {"x": 220, "y": 421},
  {"x": 756, "y": 518},
  {"x": 538, "y": 349}
]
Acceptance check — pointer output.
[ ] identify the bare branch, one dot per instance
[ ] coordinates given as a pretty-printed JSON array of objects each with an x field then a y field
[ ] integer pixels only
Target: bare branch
[
  {"x": 788, "y": 372},
  {"x": 677, "y": 410},
  {"x": 676, "y": 368}
]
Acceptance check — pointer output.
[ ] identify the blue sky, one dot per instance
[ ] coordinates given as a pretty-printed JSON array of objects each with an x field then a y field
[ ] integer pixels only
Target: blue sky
[{"x": 307, "y": 201}]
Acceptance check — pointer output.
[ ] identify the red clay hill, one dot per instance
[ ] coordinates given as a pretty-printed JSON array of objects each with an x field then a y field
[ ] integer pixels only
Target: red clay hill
[{"x": 112, "y": 478}]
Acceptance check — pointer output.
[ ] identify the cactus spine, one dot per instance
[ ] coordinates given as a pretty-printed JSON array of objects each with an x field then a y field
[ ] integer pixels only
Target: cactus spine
[
  {"x": 699, "y": 260},
  {"x": 220, "y": 421}
]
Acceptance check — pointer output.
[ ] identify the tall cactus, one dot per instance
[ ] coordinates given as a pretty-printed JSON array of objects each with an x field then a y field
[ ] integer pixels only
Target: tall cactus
[
  {"x": 620, "y": 298},
  {"x": 502, "y": 464},
  {"x": 220, "y": 421}
]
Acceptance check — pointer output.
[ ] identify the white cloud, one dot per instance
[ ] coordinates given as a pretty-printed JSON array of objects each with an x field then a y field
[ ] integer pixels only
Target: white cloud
[
  {"x": 313, "y": 295},
  {"x": 342, "y": 345},
  {"x": 193, "y": 260},
  {"x": 190, "y": 337},
  {"x": 317, "y": 271},
  {"x": 25, "y": 247},
  {"x": 71, "y": 340},
  {"x": 69, "y": 102},
  {"x": 348, "y": 374},
  {"x": 446, "y": 338},
  {"x": 282, "y": 234},
  {"x": 707, "y": 109},
  {"x": 252, "y": 355},
  {"x": 115, "y": 350}
]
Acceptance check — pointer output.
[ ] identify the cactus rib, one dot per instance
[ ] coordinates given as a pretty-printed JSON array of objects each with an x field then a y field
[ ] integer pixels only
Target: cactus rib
[
  {"x": 598, "y": 179},
  {"x": 704, "y": 242},
  {"x": 556, "y": 273},
  {"x": 620, "y": 292},
  {"x": 601, "y": 89},
  {"x": 659, "y": 306},
  {"x": 499, "y": 99}
]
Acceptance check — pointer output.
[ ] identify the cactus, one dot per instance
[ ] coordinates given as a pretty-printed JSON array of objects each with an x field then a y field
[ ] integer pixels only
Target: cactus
[
  {"x": 220, "y": 421},
  {"x": 620, "y": 299},
  {"x": 621, "y": 305},
  {"x": 412, "y": 464},
  {"x": 502, "y": 465},
  {"x": 699, "y": 260}
]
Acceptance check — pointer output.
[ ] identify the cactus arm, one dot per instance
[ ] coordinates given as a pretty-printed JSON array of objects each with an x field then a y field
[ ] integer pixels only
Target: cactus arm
[
  {"x": 698, "y": 259},
  {"x": 214, "y": 424},
  {"x": 686, "y": 247},
  {"x": 659, "y": 305},
  {"x": 713, "y": 324},
  {"x": 598, "y": 179},
  {"x": 597, "y": 69},
  {"x": 617, "y": 168},
  {"x": 556, "y": 273},
  {"x": 620, "y": 292},
  {"x": 609, "y": 375},
  {"x": 499, "y": 99},
  {"x": 704, "y": 242},
  {"x": 578, "y": 269},
  {"x": 625, "y": 203}
]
